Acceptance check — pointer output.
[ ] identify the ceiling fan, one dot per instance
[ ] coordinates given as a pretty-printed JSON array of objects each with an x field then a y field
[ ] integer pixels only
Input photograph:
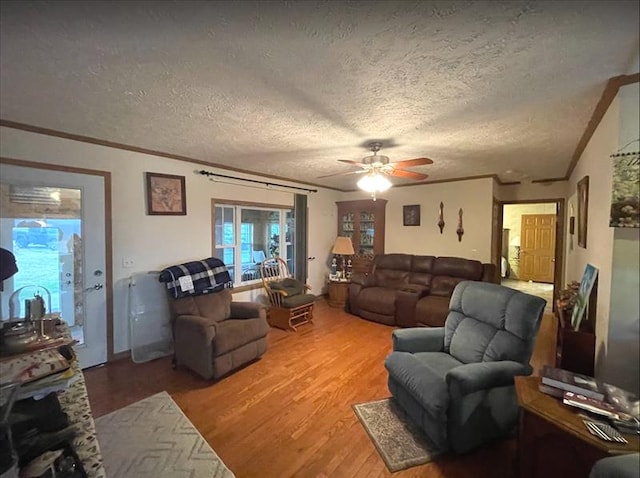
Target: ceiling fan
[{"x": 378, "y": 163}]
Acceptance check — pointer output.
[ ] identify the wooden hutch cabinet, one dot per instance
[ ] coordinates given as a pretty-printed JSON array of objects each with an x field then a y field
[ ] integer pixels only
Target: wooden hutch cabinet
[{"x": 363, "y": 221}]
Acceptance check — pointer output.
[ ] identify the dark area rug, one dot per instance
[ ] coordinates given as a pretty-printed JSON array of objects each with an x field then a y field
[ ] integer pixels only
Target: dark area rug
[{"x": 400, "y": 443}]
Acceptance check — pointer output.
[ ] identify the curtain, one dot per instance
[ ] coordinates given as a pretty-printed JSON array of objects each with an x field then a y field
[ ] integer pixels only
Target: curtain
[{"x": 301, "y": 253}]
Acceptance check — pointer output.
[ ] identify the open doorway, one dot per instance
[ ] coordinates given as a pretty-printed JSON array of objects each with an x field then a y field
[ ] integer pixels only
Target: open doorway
[{"x": 531, "y": 247}]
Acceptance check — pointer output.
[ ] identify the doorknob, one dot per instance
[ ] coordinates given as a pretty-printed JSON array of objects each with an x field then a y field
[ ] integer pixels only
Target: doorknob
[{"x": 95, "y": 287}]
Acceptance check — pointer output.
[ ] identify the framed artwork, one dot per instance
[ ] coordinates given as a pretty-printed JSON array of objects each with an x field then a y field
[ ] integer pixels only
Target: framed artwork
[
  {"x": 583, "y": 209},
  {"x": 411, "y": 215},
  {"x": 582, "y": 299},
  {"x": 625, "y": 197},
  {"x": 166, "y": 195}
]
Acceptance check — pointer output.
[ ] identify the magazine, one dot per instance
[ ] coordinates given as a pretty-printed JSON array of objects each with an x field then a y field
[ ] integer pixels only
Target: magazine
[
  {"x": 573, "y": 382},
  {"x": 592, "y": 405},
  {"x": 29, "y": 367}
]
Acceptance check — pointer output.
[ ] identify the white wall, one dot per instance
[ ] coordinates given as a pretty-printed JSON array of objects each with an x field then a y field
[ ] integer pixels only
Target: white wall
[
  {"x": 475, "y": 197},
  {"x": 613, "y": 252},
  {"x": 596, "y": 164},
  {"x": 621, "y": 363},
  {"x": 154, "y": 242}
]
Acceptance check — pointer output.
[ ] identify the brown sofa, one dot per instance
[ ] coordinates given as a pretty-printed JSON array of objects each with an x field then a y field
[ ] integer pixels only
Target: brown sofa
[
  {"x": 409, "y": 290},
  {"x": 214, "y": 335}
]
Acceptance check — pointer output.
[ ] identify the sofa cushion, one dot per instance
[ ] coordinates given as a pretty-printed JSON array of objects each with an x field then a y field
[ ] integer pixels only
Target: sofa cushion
[
  {"x": 232, "y": 334},
  {"x": 392, "y": 270},
  {"x": 393, "y": 261},
  {"x": 443, "y": 286},
  {"x": 215, "y": 306},
  {"x": 289, "y": 285},
  {"x": 379, "y": 299},
  {"x": 439, "y": 362},
  {"x": 458, "y": 267},
  {"x": 297, "y": 300},
  {"x": 485, "y": 323},
  {"x": 422, "y": 264}
]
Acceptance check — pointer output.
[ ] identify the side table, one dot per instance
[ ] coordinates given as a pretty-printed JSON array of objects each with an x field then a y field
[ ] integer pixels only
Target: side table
[
  {"x": 338, "y": 293},
  {"x": 552, "y": 439}
]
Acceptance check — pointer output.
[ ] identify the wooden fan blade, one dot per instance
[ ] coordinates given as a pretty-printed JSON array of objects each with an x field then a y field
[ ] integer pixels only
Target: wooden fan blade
[
  {"x": 348, "y": 161},
  {"x": 407, "y": 163},
  {"x": 342, "y": 174},
  {"x": 401, "y": 173}
]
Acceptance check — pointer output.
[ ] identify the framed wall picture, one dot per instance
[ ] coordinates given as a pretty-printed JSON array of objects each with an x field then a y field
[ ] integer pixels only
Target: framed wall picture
[
  {"x": 583, "y": 209},
  {"x": 411, "y": 215},
  {"x": 166, "y": 195},
  {"x": 582, "y": 299}
]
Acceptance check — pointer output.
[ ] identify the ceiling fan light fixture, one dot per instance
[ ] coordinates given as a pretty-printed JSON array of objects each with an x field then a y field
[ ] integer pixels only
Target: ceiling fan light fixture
[{"x": 374, "y": 183}]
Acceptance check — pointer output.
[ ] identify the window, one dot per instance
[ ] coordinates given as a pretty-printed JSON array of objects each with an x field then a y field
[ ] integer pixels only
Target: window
[{"x": 244, "y": 236}]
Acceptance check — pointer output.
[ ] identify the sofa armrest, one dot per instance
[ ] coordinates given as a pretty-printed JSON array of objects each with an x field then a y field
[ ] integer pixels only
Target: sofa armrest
[
  {"x": 198, "y": 329},
  {"x": 490, "y": 273},
  {"x": 418, "y": 339},
  {"x": 472, "y": 377},
  {"x": 247, "y": 310}
]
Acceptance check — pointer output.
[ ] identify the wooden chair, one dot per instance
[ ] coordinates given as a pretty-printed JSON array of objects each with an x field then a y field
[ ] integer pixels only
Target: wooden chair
[{"x": 291, "y": 306}]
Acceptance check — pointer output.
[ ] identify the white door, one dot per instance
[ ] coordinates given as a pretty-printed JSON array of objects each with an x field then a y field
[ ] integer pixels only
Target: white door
[{"x": 54, "y": 223}]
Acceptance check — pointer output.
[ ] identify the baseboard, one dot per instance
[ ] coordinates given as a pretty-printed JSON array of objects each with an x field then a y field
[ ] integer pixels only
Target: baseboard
[{"x": 120, "y": 356}]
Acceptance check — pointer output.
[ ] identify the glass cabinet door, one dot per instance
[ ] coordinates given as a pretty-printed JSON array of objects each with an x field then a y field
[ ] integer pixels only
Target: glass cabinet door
[
  {"x": 348, "y": 225},
  {"x": 367, "y": 232}
]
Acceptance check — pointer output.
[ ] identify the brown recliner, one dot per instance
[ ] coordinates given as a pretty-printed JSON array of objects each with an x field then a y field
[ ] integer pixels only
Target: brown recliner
[{"x": 214, "y": 335}]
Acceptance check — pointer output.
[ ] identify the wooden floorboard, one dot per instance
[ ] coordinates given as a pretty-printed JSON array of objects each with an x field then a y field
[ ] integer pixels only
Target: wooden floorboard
[{"x": 289, "y": 413}]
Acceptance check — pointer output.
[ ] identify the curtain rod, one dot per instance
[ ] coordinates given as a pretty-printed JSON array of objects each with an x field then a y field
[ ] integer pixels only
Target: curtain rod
[
  {"x": 267, "y": 184},
  {"x": 618, "y": 155}
]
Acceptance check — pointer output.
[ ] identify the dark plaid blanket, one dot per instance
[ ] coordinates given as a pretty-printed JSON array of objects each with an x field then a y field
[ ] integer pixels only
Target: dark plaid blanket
[{"x": 196, "y": 278}]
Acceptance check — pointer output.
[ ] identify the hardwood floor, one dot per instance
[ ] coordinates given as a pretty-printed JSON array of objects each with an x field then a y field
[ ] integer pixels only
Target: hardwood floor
[{"x": 289, "y": 414}]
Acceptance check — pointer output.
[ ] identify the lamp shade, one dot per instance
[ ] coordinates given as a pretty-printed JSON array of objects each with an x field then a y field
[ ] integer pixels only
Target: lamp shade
[{"x": 343, "y": 246}]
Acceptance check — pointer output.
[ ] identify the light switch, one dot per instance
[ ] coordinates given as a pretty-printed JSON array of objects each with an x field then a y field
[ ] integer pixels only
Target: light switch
[{"x": 127, "y": 262}]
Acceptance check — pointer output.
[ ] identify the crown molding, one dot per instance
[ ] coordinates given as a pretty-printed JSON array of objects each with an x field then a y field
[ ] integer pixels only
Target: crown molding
[
  {"x": 136, "y": 149},
  {"x": 610, "y": 91}
]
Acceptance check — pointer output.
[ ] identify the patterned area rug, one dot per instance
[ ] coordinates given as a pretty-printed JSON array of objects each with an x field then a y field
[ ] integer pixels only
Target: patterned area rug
[
  {"x": 400, "y": 443},
  {"x": 152, "y": 438}
]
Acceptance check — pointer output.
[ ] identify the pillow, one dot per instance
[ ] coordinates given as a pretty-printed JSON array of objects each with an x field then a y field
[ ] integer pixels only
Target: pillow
[{"x": 289, "y": 285}]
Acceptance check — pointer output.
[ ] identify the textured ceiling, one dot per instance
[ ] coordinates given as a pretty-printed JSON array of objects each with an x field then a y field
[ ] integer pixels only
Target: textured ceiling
[{"x": 289, "y": 88}]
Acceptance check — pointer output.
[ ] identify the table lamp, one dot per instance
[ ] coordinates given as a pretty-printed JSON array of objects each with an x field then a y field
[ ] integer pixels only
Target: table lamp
[{"x": 343, "y": 247}]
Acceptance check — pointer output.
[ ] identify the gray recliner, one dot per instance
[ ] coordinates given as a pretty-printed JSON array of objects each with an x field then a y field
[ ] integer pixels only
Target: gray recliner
[
  {"x": 622, "y": 466},
  {"x": 457, "y": 382}
]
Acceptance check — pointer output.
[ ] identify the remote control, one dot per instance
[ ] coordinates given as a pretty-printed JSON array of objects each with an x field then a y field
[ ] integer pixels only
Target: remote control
[{"x": 604, "y": 431}]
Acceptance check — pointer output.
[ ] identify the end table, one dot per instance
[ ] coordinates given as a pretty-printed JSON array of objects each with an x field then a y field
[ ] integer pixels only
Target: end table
[{"x": 338, "y": 293}]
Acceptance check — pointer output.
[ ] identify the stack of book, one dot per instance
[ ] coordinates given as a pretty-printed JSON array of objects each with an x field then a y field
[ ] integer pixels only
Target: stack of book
[
  {"x": 586, "y": 393},
  {"x": 39, "y": 373},
  {"x": 556, "y": 381}
]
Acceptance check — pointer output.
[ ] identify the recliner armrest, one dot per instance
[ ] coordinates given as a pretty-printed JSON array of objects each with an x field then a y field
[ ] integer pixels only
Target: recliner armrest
[
  {"x": 472, "y": 377},
  {"x": 418, "y": 339},
  {"x": 199, "y": 328},
  {"x": 247, "y": 310}
]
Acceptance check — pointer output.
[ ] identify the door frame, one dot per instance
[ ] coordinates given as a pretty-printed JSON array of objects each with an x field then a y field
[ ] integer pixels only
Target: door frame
[
  {"x": 560, "y": 232},
  {"x": 106, "y": 175}
]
